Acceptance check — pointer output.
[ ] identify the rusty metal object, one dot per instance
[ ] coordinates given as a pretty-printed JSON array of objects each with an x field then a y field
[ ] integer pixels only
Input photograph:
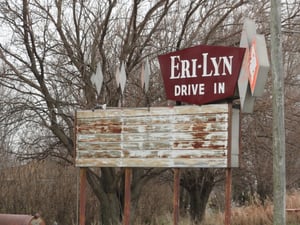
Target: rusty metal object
[
  {"x": 176, "y": 196},
  {"x": 16, "y": 219},
  {"x": 181, "y": 136},
  {"x": 228, "y": 190},
  {"x": 82, "y": 200},
  {"x": 127, "y": 197}
]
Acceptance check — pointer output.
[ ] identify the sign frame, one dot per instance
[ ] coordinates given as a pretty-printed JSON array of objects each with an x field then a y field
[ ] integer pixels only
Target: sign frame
[{"x": 188, "y": 137}]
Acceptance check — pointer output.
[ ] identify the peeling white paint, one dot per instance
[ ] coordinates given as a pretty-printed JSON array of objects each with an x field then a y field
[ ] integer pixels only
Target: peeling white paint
[{"x": 183, "y": 136}]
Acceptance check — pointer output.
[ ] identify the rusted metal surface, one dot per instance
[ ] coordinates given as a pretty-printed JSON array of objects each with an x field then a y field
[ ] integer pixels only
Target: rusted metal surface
[
  {"x": 16, "y": 219},
  {"x": 82, "y": 199},
  {"x": 181, "y": 136},
  {"x": 127, "y": 197},
  {"x": 176, "y": 196},
  {"x": 228, "y": 183}
]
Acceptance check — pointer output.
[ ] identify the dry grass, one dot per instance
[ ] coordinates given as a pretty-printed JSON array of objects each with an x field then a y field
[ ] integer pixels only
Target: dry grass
[
  {"x": 293, "y": 202},
  {"x": 258, "y": 214},
  {"x": 52, "y": 191},
  {"x": 253, "y": 214}
]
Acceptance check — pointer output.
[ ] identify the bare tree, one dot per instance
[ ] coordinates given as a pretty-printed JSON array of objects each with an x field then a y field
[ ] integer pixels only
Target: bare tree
[{"x": 52, "y": 49}]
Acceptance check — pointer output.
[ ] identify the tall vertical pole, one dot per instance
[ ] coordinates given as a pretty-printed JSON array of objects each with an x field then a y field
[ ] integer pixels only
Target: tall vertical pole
[
  {"x": 121, "y": 81},
  {"x": 228, "y": 181},
  {"x": 279, "y": 182},
  {"x": 176, "y": 196},
  {"x": 176, "y": 193},
  {"x": 228, "y": 196},
  {"x": 127, "y": 196},
  {"x": 82, "y": 199}
]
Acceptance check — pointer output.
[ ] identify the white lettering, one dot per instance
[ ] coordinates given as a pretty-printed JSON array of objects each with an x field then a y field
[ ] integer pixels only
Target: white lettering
[
  {"x": 183, "y": 90},
  {"x": 201, "y": 89},
  {"x": 215, "y": 88},
  {"x": 176, "y": 90},
  {"x": 194, "y": 89},
  {"x": 212, "y": 66},
  {"x": 185, "y": 66},
  {"x": 189, "y": 89},
  {"x": 216, "y": 65},
  {"x": 175, "y": 67},
  {"x": 219, "y": 88},
  {"x": 194, "y": 68},
  {"x": 205, "y": 74},
  {"x": 227, "y": 64}
]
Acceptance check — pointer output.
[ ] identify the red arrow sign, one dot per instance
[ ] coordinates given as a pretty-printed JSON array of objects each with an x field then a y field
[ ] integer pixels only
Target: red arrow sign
[{"x": 201, "y": 74}]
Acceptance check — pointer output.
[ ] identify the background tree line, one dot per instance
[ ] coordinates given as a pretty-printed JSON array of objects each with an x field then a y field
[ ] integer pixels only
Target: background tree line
[{"x": 50, "y": 49}]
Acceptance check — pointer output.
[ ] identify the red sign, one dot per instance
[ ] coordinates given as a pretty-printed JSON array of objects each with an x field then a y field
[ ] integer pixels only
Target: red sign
[
  {"x": 253, "y": 66},
  {"x": 201, "y": 74}
]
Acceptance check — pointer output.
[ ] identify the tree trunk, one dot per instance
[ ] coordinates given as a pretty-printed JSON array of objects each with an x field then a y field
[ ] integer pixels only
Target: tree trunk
[
  {"x": 110, "y": 209},
  {"x": 184, "y": 201},
  {"x": 107, "y": 191},
  {"x": 199, "y": 185},
  {"x": 198, "y": 200}
]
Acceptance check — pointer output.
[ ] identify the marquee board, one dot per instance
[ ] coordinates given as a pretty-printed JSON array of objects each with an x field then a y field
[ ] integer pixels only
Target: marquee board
[{"x": 175, "y": 137}]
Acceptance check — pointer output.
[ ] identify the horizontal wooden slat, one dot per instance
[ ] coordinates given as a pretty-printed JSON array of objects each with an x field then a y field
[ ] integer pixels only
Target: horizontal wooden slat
[
  {"x": 181, "y": 133},
  {"x": 161, "y": 136},
  {"x": 149, "y": 118},
  {"x": 159, "y": 111},
  {"x": 153, "y": 145},
  {"x": 163, "y": 127},
  {"x": 151, "y": 136},
  {"x": 142, "y": 162},
  {"x": 188, "y": 154}
]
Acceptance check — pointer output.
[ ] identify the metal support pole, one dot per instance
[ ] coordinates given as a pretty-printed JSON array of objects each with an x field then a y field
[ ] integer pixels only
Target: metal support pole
[
  {"x": 176, "y": 190},
  {"x": 228, "y": 196},
  {"x": 127, "y": 197},
  {"x": 176, "y": 196},
  {"x": 82, "y": 198}
]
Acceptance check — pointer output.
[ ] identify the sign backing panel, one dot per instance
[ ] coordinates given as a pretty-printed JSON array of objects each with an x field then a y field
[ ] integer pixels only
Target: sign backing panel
[{"x": 183, "y": 136}]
